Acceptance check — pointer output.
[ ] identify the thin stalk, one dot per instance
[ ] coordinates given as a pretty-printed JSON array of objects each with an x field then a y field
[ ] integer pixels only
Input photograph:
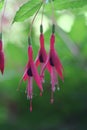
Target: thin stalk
[
  {"x": 42, "y": 13},
  {"x": 2, "y": 17},
  {"x": 34, "y": 19},
  {"x": 53, "y": 14}
]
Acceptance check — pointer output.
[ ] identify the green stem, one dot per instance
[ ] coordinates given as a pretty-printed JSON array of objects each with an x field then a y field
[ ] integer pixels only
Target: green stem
[
  {"x": 42, "y": 13},
  {"x": 3, "y": 16},
  {"x": 41, "y": 28},
  {"x": 53, "y": 28},
  {"x": 29, "y": 41},
  {"x": 34, "y": 19},
  {"x": 53, "y": 16}
]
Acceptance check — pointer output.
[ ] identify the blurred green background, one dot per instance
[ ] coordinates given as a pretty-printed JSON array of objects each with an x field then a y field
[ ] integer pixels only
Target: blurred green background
[{"x": 69, "y": 110}]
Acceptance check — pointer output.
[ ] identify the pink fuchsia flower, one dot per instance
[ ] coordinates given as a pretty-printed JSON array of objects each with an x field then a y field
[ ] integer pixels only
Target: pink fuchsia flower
[
  {"x": 1, "y": 55},
  {"x": 30, "y": 73},
  {"x": 42, "y": 55},
  {"x": 55, "y": 66}
]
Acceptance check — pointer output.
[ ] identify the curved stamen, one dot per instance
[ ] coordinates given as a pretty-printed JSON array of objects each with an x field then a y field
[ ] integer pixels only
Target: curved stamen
[{"x": 52, "y": 98}]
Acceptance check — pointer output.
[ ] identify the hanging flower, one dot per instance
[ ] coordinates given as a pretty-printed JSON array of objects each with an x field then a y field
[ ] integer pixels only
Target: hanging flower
[
  {"x": 1, "y": 55},
  {"x": 55, "y": 66},
  {"x": 30, "y": 73},
  {"x": 42, "y": 55}
]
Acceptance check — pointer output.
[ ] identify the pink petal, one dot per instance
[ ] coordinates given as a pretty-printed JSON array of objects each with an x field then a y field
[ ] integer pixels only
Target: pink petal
[
  {"x": 30, "y": 53},
  {"x": 37, "y": 62},
  {"x": 52, "y": 41},
  {"x": 57, "y": 65},
  {"x": 48, "y": 67},
  {"x": 2, "y": 61},
  {"x": 25, "y": 75},
  {"x": 42, "y": 51},
  {"x": 36, "y": 76},
  {"x": 41, "y": 40},
  {"x": 0, "y": 44},
  {"x": 44, "y": 67},
  {"x": 58, "y": 60}
]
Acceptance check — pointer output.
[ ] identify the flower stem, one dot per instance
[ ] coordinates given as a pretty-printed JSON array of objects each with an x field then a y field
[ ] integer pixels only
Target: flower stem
[
  {"x": 41, "y": 28},
  {"x": 34, "y": 19},
  {"x": 3, "y": 16},
  {"x": 42, "y": 13},
  {"x": 53, "y": 16},
  {"x": 53, "y": 28}
]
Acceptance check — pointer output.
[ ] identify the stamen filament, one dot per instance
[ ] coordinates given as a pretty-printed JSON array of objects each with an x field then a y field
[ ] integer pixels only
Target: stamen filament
[{"x": 52, "y": 98}]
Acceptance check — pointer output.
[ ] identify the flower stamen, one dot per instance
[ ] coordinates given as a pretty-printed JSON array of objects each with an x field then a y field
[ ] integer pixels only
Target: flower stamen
[{"x": 52, "y": 97}]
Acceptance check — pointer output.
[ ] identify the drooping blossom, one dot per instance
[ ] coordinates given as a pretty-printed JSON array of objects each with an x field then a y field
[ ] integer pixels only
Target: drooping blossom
[
  {"x": 1, "y": 55},
  {"x": 42, "y": 55},
  {"x": 30, "y": 73},
  {"x": 55, "y": 66}
]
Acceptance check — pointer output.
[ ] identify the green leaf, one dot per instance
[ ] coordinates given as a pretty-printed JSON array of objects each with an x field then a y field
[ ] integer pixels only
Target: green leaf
[
  {"x": 1, "y": 4},
  {"x": 68, "y": 4},
  {"x": 27, "y": 10}
]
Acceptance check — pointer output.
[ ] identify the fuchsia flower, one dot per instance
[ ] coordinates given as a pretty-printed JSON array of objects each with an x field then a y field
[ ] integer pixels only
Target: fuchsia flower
[
  {"x": 1, "y": 56},
  {"x": 55, "y": 66},
  {"x": 30, "y": 73},
  {"x": 42, "y": 55}
]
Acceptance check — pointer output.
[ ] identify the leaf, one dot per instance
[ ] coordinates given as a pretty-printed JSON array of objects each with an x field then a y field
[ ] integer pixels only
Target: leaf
[
  {"x": 68, "y": 4},
  {"x": 30, "y": 7},
  {"x": 27, "y": 10},
  {"x": 1, "y": 4}
]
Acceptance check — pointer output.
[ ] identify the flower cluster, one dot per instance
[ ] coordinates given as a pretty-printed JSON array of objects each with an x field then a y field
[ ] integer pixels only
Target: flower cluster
[
  {"x": 49, "y": 61},
  {"x": 53, "y": 64},
  {"x": 1, "y": 55}
]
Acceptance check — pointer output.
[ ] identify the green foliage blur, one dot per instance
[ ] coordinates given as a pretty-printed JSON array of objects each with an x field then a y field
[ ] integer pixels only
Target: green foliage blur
[{"x": 69, "y": 110}]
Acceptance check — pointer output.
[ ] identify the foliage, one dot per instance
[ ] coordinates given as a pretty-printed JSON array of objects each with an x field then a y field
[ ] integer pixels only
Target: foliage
[
  {"x": 1, "y": 4},
  {"x": 29, "y": 8}
]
